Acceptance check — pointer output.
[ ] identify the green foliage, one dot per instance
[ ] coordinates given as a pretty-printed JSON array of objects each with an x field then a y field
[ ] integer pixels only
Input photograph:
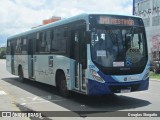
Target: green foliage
[
  {"x": 2, "y": 52},
  {"x": 154, "y": 76}
]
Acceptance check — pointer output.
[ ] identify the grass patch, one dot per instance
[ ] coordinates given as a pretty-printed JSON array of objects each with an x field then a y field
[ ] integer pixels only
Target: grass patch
[{"x": 154, "y": 76}]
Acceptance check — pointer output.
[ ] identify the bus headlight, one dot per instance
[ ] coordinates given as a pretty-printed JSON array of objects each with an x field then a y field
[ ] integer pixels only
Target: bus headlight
[{"x": 96, "y": 76}]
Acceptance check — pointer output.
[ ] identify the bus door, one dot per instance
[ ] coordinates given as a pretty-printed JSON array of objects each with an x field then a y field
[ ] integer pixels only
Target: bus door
[
  {"x": 77, "y": 56},
  {"x": 12, "y": 60},
  {"x": 30, "y": 59}
]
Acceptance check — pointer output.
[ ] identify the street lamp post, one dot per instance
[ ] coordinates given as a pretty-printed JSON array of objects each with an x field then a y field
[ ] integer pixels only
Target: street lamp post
[{"x": 159, "y": 55}]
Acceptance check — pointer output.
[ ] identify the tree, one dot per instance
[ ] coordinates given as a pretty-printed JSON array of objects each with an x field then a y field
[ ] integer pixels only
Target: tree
[{"x": 2, "y": 52}]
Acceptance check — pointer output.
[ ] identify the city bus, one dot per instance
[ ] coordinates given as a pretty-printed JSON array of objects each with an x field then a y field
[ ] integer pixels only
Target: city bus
[{"x": 92, "y": 54}]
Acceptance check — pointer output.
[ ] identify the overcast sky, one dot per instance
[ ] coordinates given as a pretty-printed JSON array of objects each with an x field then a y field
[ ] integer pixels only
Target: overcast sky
[{"x": 17, "y": 16}]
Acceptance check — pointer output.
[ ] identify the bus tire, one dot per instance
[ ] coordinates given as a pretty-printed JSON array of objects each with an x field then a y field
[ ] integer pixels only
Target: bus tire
[
  {"x": 63, "y": 86},
  {"x": 21, "y": 76}
]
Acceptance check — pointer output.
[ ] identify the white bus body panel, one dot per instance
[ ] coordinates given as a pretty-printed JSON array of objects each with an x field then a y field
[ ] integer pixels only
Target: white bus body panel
[
  {"x": 45, "y": 67},
  {"x": 44, "y": 72}
]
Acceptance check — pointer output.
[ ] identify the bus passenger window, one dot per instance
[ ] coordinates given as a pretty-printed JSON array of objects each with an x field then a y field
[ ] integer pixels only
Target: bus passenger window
[
  {"x": 59, "y": 41},
  {"x": 42, "y": 41},
  {"x": 9, "y": 47},
  {"x": 19, "y": 45},
  {"x": 48, "y": 41},
  {"x": 38, "y": 42},
  {"x": 24, "y": 46}
]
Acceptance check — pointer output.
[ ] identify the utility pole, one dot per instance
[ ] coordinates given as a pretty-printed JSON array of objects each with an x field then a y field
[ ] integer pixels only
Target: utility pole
[{"x": 159, "y": 55}]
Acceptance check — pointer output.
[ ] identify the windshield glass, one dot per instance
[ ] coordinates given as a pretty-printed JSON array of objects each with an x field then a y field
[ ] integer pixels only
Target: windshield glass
[{"x": 119, "y": 46}]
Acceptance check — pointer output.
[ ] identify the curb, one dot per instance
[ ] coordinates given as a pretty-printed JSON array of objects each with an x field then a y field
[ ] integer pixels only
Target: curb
[{"x": 155, "y": 80}]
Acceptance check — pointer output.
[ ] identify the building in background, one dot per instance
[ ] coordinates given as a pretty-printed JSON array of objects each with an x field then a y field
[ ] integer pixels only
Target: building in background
[
  {"x": 53, "y": 19},
  {"x": 149, "y": 10}
]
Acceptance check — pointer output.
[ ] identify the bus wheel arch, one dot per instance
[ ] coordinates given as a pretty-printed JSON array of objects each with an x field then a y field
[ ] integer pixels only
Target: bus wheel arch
[{"x": 61, "y": 83}]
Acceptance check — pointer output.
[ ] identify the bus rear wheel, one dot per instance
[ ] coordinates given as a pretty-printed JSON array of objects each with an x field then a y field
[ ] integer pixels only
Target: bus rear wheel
[
  {"x": 63, "y": 86},
  {"x": 21, "y": 76}
]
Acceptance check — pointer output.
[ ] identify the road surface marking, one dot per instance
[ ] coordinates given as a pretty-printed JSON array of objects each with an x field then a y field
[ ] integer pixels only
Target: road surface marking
[
  {"x": 2, "y": 92},
  {"x": 40, "y": 102}
]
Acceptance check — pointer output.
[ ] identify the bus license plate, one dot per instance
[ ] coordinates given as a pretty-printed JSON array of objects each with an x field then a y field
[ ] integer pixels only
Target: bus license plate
[{"x": 125, "y": 90}]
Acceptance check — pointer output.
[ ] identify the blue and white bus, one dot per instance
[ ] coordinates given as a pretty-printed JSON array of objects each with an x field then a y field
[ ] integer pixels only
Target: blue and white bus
[{"x": 93, "y": 54}]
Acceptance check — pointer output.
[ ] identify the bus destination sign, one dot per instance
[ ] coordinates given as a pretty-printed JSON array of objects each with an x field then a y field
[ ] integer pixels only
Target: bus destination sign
[{"x": 115, "y": 21}]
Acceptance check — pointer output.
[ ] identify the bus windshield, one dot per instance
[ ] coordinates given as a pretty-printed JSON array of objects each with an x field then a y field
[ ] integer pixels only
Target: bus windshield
[{"x": 119, "y": 46}]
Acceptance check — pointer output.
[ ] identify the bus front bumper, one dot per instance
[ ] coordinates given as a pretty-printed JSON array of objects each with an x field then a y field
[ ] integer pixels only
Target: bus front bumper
[{"x": 97, "y": 88}]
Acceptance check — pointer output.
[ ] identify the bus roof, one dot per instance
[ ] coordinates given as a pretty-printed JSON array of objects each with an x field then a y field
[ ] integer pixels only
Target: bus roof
[
  {"x": 54, "y": 24},
  {"x": 83, "y": 16}
]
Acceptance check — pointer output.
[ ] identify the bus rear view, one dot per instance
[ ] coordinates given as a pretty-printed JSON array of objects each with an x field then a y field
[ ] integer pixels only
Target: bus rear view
[{"x": 118, "y": 60}]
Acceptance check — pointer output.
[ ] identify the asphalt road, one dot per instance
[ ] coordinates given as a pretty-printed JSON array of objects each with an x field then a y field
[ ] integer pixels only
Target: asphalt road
[{"x": 33, "y": 96}]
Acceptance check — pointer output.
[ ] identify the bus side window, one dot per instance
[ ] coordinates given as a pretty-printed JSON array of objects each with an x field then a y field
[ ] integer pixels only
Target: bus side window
[
  {"x": 48, "y": 41},
  {"x": 18, "y": 45},
  {"x": 38, "y": 43},
  {"x": 58, "y": 40},
  {"x": 13, "y": 47},
  {"x": 24, "y": 45},
  {"x": 63, "y": 39},
  {"x": 43, "y": 42},
  {"x": 9, "y": 48},
  {"x": 55, "y": 41},
  {"x": 52, "y": 36}
]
